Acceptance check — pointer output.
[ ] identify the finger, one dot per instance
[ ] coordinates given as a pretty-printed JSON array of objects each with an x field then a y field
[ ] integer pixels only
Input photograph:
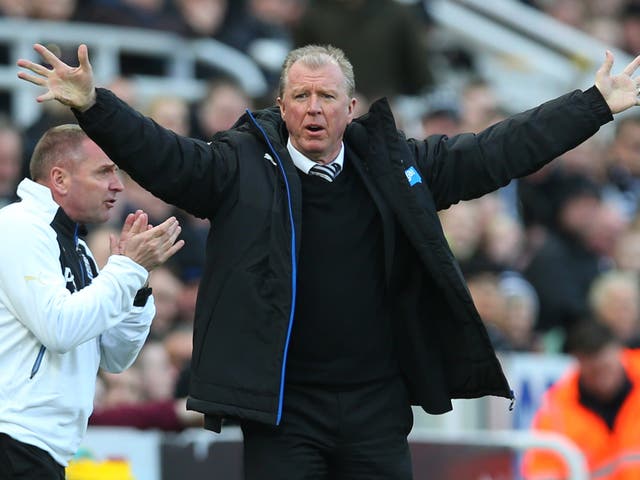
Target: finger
[
  {"x": 34, "y": 67},
  {"x": 48, "y": 56},
  {"x": 173, "y": 250},
  {"x": 142, "y": 226},
  {"x": 144, "y": 221},
  {"x": 165, "y": 226},
  {"x": 632, "y": 67},
  {"x": 172, "y": 236},
  {"x": 83, "y": 57},
  {"x": 40, "y": 81},
  {"x": 605, "y": 68},
  {"x": 139, "y": 224},
  {"x": 128, "y": 222},
  {"x": 45, "y": 97}
]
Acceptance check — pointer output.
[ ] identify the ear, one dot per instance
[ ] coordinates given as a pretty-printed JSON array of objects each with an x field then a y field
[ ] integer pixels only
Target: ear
[
  {"x": 351, "y": 108},
  {"x": 59, "y": 179},
  {"x": 281, "y": 105}
]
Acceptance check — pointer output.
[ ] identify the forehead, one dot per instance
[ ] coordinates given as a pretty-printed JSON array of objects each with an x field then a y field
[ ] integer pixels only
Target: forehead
[
  {"x": 327, "y": 75},
  {"x": 93, "y": 156}
]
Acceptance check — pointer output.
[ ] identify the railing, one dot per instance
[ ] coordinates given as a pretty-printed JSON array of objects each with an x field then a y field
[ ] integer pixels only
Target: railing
[
  {"x": 436, "y": 454},
  {"x": 528, "y": 56},
  {"x": 106, "y": 43},
  {"x": 510, "y": 440}
]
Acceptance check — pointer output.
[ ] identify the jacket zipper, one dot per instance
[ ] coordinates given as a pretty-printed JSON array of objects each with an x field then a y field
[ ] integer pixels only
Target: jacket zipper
[
  {"x": 294, "y": 266},
  {"x": 36, "y": 365},
  {"x": 40, "y": 356}
]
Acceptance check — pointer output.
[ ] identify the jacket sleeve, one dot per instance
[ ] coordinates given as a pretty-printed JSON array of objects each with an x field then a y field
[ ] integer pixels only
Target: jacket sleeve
[
  {"x": 188, "y": 173},
  {"x": 468, "y": 166},
  {"x": 33, "y": 288},
  {"x": 120, "y": 345}
]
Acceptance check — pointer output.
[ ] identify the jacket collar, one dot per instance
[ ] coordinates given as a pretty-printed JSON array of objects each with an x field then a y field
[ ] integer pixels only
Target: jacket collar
[{"x": 40, "y": 195}]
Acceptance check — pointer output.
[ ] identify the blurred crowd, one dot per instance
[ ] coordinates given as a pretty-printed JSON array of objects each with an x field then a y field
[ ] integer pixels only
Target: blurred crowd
[{"x": 539, "y": 255}]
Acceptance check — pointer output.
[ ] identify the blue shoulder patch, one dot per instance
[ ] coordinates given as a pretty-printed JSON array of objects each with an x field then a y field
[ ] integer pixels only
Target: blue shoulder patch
[{"x": 413, "y": 176}]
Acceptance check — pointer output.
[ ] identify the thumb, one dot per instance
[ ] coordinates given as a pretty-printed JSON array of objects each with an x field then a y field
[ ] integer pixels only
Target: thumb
[
  {"x": 83, "y": 57},
  {"x": 605, "y": 68}
]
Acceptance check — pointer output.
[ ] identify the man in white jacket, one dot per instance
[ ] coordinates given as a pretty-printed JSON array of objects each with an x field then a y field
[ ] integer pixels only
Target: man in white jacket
[{"x": 59, "y": 319}]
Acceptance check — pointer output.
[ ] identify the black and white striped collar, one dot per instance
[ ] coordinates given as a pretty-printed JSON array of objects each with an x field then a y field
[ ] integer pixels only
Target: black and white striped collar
[{"x": 304, "y": 164}]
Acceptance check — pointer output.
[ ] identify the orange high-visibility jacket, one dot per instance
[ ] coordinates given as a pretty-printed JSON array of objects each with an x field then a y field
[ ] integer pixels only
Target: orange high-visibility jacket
[{"x": 610, "y": 454}]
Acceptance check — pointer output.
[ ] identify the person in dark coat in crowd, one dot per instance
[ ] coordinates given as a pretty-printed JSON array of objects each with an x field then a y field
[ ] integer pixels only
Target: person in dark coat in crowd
[{"x": 330, "y": 301}]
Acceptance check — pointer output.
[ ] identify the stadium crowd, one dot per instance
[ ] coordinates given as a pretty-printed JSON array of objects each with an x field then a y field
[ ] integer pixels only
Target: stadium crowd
[{"x": 540, "y": 255}]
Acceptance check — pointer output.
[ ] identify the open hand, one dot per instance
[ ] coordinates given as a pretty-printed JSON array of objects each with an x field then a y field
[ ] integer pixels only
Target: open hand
[
  {"x": 619, "y": 91},
  {"x": 71, "y": 86}
]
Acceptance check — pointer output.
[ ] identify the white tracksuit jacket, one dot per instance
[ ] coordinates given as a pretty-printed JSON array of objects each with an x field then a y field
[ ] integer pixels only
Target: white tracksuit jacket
[{"x": 52, "y": 341}]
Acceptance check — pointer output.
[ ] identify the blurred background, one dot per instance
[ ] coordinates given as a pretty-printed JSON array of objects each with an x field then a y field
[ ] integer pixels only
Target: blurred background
[{"x": 540, "y": 255}]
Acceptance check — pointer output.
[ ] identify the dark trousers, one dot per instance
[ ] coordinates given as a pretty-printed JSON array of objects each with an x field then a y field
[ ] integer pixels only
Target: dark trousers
[
  {"x": 355, "y": 434},
  {"x": 21, "y": 461}
]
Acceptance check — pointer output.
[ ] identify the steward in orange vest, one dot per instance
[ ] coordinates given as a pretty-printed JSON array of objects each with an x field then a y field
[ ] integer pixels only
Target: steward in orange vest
[{"x": 597, "y": 406}]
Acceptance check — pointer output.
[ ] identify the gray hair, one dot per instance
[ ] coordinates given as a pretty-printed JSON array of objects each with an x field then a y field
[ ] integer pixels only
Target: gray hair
[{"x": 316, "y": 56}]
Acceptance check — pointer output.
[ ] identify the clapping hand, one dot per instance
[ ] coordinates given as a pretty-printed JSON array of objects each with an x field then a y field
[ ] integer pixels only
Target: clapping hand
[{"x": 147, "y": 245}]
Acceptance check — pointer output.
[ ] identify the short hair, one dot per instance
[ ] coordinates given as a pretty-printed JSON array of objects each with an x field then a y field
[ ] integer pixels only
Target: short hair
[
  {"x": 589, "y": 337},
  {"x": 58, "y": 145},
  {"x": 608, "y": 282},
  {"x": 315, "y": 56}
]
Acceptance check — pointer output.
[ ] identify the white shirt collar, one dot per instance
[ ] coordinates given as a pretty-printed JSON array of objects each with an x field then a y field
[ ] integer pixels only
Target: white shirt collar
[{"x": 304, "y": 163}]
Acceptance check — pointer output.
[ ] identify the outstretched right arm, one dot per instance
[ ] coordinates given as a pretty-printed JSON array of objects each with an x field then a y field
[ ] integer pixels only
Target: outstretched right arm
[{"x": 186, "y": 172}]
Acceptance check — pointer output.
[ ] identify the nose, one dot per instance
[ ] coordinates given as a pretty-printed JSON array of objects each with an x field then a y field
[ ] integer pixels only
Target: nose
[
  {"x": 314, "y": 105},
  {"x": 116, "y": 183}
]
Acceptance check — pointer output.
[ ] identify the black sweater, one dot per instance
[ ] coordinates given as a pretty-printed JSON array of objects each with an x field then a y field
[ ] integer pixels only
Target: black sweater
[{"x": 341, "y": 330}]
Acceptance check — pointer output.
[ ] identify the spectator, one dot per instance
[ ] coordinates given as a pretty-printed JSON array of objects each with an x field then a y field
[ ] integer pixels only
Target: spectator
[
  {"x": 562, "y": 269},
  {"x": 122, "y": 388},
  {"x": 55, "y": 10},
  {"x": 224, "y": 102},
  {"x": 157, "y": 374},
  {"x": 479, "y": 106},
  {"x": 167, "y": 291},
  {"x": 264, "y": 33},
  {"x": 630, "y": 21},
  {"x": 623, "y": 166},
  {"x": 10, "y": 161},
  {"x": 15, "y": 8},
  {"x": 521, "y": 307},
  {"x": 171, "y": 112},
  {"x": 626, "y": 254},
  {"x": 151, "y": 14},
  {"x": 441, "y": 115},
  {"x": 385, "y": 41},
  {"x": 614, "y": 299}
]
